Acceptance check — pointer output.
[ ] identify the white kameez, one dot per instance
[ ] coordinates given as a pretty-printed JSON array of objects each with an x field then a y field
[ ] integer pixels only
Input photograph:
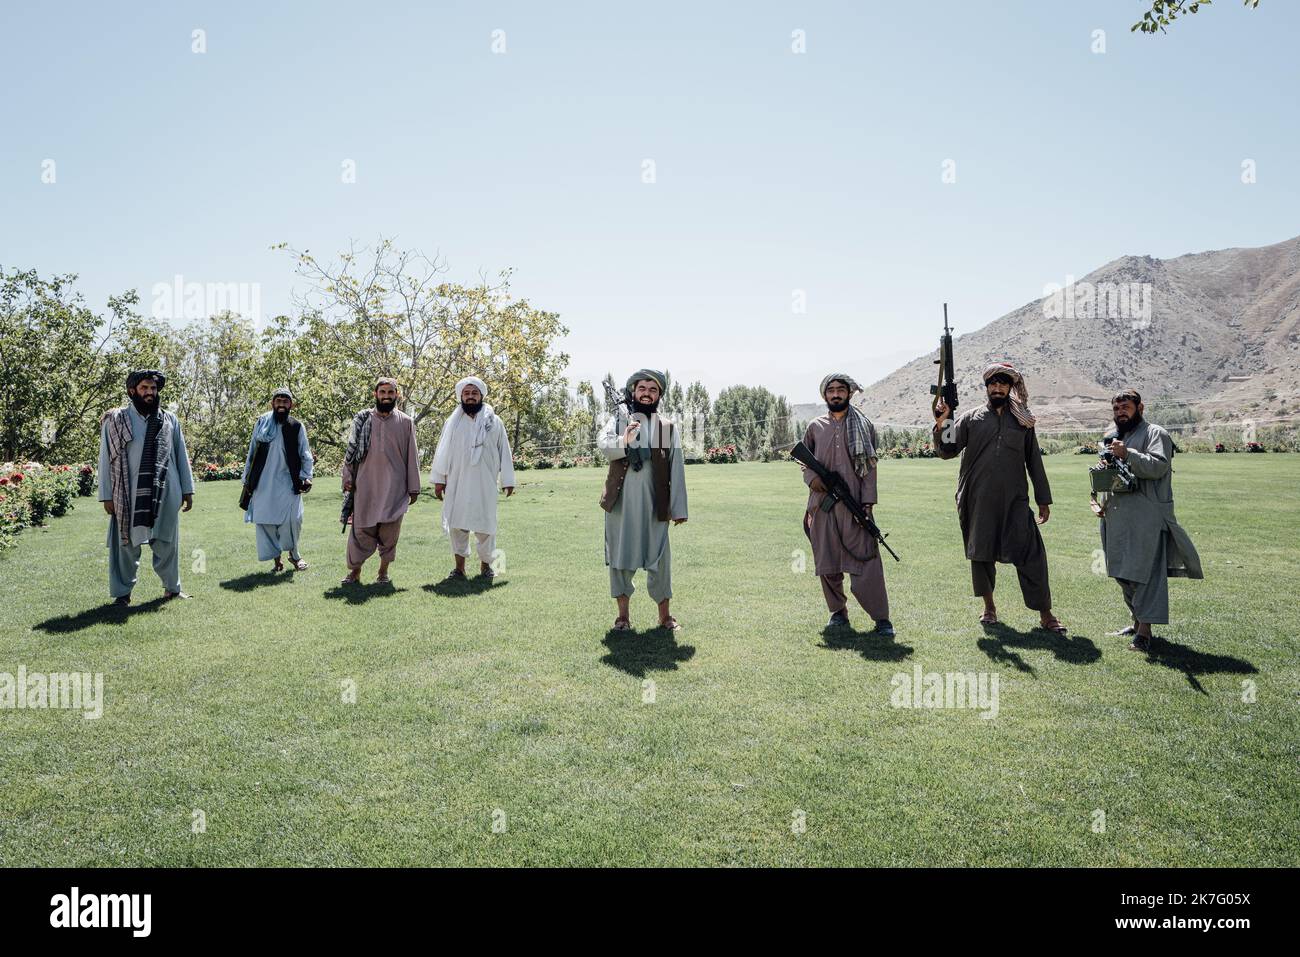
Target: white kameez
[{"x": 470, "y": 500}]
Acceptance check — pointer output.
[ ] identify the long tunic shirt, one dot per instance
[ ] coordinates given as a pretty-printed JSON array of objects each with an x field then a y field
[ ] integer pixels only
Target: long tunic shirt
[
  {"x": 389, "y": 474},
  {"x": 180, "y": 481},
  {"x": 634, "y": 538},
  {"x": 992, "y": 494},
  {"x": 274, "y": 501},
  {"x": 827, "y": 437},
  {"x": 1135, "y": 522},
  {"x": 469, "y": 502}
]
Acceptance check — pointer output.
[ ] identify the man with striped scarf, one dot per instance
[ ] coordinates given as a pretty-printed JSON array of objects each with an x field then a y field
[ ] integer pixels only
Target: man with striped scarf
[{"x": 144, "y": 483}]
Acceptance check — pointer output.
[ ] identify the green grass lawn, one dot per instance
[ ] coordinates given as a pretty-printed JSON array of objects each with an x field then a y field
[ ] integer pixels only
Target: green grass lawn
[{"x": 516, "y": 704}]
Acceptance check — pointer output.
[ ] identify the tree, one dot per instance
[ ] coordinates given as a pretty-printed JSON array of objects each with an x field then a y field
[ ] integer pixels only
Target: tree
[
  {"x": 389, "y": 312},
  {"x": 1165, "y": 12},
  {"x": 752, "y": 419},
  {"x": 61, "y": 365}
]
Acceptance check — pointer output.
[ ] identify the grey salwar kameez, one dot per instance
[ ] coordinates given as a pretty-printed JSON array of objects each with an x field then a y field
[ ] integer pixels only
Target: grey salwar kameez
[
  {"x": 163, "y": 537},
  {"x": 1144, "y": 544},
  {"x": 634, "y": 537}
]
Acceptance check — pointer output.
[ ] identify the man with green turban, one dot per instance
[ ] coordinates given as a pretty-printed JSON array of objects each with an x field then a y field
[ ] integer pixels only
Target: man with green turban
[{"x": 644, "y": 490}]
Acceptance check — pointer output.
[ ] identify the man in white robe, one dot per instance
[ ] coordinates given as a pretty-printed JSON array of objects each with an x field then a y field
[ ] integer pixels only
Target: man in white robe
[{"x": 473, "y": 451}]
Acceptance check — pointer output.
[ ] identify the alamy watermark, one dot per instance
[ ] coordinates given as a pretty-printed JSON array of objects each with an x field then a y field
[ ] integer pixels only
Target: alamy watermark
[
  {"x": 1128, "y": 301},
  {"x": 954, "y": 689},
  {"x": 59, "y": 690}
]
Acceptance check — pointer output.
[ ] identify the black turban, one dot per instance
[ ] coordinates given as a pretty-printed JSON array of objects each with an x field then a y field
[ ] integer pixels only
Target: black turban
[{"x": 139, "y": 375}]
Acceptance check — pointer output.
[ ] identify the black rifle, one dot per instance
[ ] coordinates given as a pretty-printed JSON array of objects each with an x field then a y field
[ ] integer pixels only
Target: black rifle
[
  {"x": 624, "y": 399},
  {"x": 838, "y": 491},
  {"x": 946, "y": 388}
]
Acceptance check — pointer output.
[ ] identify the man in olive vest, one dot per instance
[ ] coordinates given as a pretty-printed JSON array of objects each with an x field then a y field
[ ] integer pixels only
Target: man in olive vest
[{"x": 644, "y": 490}]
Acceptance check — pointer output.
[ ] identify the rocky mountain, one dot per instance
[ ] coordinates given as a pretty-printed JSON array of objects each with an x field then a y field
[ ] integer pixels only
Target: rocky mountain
[{"x": 1217, "y": 331}]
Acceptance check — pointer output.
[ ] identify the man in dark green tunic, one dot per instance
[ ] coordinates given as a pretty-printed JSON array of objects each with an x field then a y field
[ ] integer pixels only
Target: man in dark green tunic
[{"x": 998, "y": 447}]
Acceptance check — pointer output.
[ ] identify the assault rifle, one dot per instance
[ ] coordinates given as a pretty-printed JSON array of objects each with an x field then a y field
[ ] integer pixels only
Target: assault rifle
[
  {"x": 837, "y": 490},
  {"x": 946, "y": 388}
]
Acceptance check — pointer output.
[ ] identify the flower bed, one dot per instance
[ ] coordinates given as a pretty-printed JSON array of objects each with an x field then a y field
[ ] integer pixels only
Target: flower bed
[
  {"x": 721, "y": 455},
  {"x": 31, "y": 494},
  {"x": 212, "y": 472}
]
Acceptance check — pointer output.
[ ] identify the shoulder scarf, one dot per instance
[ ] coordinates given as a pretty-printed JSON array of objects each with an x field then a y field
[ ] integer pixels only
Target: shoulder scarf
[{"x": 118, "y": 422}]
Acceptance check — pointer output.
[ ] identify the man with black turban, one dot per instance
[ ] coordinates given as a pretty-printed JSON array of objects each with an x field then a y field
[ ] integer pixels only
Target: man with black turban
[
  {"x": 144, "y": 483},
  {"x": 645, "y": 489}
]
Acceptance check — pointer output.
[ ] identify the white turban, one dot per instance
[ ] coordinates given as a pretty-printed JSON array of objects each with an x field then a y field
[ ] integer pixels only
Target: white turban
[{"x": 471, "y": 380}]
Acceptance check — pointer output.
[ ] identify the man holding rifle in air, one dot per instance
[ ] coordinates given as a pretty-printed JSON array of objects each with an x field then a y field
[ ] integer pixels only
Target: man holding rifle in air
[
  {"x": 844, "y": 441},
  {"x": 998, "y": 446}
]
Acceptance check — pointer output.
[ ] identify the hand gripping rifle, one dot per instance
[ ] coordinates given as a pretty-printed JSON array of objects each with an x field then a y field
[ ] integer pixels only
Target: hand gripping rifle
[
  {"x": 838, "y": 491},
  {"x": 616, "y": 399},
  {"x": 946, "y": 388}
]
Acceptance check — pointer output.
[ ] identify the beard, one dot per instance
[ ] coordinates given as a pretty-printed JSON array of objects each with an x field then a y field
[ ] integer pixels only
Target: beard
[
  {"x": 385, "y": 405},
  {"x": 280, "y": 415},
  {"x": 143, "y": 405},
  {"x": 471, "y": 408},
  {"x": 837, "y": 405},
  {"x": 997, "y": 401},
  {"x": 1127, "y": 426},
  {"x": 645, "y": 408}
]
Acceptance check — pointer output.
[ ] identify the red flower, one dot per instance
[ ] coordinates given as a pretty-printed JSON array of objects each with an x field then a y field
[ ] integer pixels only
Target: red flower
[
  {"x": 17, "y": 476},
  {"x": 3, "y": 480}
]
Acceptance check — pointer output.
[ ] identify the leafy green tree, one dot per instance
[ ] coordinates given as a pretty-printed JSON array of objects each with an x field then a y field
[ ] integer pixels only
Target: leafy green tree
[
  {"x": 1165, "y": 12},
  {"x": 62, "y": 366}
]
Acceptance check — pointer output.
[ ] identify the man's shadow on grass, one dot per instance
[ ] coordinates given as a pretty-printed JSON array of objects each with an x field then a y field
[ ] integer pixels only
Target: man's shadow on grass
[
  {"x": 109, "y": 614},
  {"x": 868, "y": 644},
  {"x": 255, "y": 580},
  {"x": 1192, "y": 662},
  {"x": 639, "y": 652},
  {"x": 360, "y": 594},
  {"x": 999, "y": 641},
  {"x": 455, "y": 587}
]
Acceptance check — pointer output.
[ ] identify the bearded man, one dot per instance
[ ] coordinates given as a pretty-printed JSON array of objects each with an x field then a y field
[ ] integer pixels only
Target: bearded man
[
  {"x": 277, "y": 473},
  {"x": 145, "y": 483},
  {"x": 844, "y": 440},
  {"x": 473, "y": 451},
  {"x": 381, "y": 479},
  {"x": 998, "y": 446},
  {"x": 1144, "y": 544},
  {"x": 645, "y": 489}
]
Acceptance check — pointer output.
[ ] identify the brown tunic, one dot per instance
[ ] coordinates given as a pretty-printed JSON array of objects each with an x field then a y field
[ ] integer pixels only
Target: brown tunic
[
  {"x": 827, "y": 437},
  {"x": 997, "y": 452},
  {"x": 390, "y": 473}
]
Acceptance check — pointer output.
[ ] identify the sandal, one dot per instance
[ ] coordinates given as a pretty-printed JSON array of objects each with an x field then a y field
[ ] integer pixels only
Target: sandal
[
  {"x": 1123, "y": 632},
  {"x": 300, "y": 565},
  {"x": 351, "y": 580},
  {"x": 989, "y": 618},
  {"x": 278, "y": 566},
  {"x": 1055, "y": 627},
  {"x": 670, "y": 623},
  {"x": 622, "y": 624},
  {"x": 383, "y": 580}
]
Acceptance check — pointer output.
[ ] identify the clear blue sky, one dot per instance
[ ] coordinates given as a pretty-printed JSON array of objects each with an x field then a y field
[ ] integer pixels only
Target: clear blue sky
[{"x": 775, "y": 171}]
